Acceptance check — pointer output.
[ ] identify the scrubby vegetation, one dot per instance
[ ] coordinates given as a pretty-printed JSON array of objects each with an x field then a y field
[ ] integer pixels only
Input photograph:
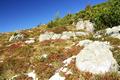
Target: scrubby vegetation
[
  {"x": 19, "y": 58},
  {"x": 103, "y": 15}
]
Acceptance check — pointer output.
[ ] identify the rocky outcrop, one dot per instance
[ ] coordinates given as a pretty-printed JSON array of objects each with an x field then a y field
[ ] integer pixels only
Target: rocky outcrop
[
  {"x": 96, "y": 58},
  {"x": 16, "y": 36},
  {"x": 114, "y": 32},
  {"x": 65, "y": 35},
  {"x": 85, "y": 25},
  {"x": 81, "y": 25}
]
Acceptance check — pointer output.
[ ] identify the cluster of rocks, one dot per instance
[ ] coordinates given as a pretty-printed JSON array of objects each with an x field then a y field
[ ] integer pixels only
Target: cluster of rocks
[
  {"x": 81, "y": 25},
  {"x": 65, "y": 35}
]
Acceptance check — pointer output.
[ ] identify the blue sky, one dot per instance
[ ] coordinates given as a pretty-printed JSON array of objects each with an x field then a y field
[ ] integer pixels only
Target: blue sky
[{"x": 24, "y": 14}]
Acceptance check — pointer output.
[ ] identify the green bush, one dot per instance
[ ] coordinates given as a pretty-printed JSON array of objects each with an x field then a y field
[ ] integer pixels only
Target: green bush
[{"x": 103, "y": 15}]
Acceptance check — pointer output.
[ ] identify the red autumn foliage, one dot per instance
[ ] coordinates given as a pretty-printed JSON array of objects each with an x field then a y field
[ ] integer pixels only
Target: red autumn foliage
[
  {"x": 74, "y": 50},
  {"x": 56, "y": 57},
  {"x": 14, "y": 46}
]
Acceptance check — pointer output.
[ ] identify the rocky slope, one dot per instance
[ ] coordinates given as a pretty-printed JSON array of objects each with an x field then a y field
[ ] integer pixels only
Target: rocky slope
[
  {"x": 74, "y": 51},
  {"x": 80, "y": 53}
]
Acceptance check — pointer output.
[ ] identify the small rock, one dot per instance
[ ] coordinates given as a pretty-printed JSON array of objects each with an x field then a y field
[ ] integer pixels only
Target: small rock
[
  {"x": 32, "y": 75},
  {"x": 44, "y": 56},
  {"x": 30, "y": 41}
]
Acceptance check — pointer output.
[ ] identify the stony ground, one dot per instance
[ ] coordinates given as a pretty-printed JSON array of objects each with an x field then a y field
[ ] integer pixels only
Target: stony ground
[{"x": 34, "y": 55}]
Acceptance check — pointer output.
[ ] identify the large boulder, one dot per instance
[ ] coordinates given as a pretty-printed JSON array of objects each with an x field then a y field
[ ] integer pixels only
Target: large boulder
[
  {"x": 114, "y": 32},
  {"x": 85, "y": 25},
  {"x": 96, "y": 58},
  {"x": 16, "y": 36}
]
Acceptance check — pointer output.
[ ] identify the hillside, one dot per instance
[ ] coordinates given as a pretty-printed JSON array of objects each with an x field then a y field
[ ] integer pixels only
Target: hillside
[{"x": 81, "y": 46}]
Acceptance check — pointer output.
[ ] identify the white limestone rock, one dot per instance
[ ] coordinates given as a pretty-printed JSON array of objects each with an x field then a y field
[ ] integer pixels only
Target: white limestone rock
[
  {"x": 46, "y": 36},
  {"x": 30, "y": 41},
  {"x": 96, "y": 58},
  {"x": 67, "y": 35},
  {"x": 89, "y": 26},
  {"x": 84, "y": 43},
  {"x": 32, "y": 75},
  {"x": 44, "y": 56},
  {"x": 56, "y": 36},
  {"x": 57, "y": 76},
  {"x": 85, "y": 25},
  {"x": 116, "y": 35},
  {"x": 67, "y": 61},
  {"x": 114, "y": 32},
  {"x": 80, "y": 25},
  {"x": 64, "y": 69},
  {"x": 81, "y": 33},
  {"x": 16, "y": 37}
]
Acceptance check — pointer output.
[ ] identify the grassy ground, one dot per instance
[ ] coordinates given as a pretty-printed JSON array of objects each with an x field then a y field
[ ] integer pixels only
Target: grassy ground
[{"x": 18, "y": 58}]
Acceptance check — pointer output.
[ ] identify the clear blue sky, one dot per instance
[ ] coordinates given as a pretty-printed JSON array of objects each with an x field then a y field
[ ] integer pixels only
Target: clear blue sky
[{"x": 23, "y": 14}]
